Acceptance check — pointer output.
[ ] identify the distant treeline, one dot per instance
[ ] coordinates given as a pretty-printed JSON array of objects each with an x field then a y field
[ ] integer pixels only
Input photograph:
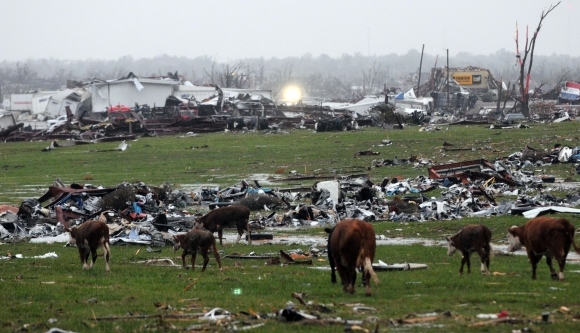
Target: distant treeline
[{"x": 342, "y": 77}]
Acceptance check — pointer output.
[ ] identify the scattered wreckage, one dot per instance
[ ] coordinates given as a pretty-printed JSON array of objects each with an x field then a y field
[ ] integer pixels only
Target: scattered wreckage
[
  {"x": 142, "y": 214},
  {"x": 154, "y": 106},
  {"x": 93, "y": 118},
  {"x": 169, "y": 105}
]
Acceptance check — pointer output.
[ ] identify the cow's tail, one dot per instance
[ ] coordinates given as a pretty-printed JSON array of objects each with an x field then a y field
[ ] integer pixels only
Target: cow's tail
[
  {"x": 368, "y": 267},
  {"x": 216, "y": 255},
  {"x": 572, "y": 233},
  {"x": 106, "y": 245}
]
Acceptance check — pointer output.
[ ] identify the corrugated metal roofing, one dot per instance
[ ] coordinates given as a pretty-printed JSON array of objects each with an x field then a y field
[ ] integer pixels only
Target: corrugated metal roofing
[
  {"x": 199, "y": 92},
  {"x": 40, "y": 101},
  {"x": 126, "y": 92}
]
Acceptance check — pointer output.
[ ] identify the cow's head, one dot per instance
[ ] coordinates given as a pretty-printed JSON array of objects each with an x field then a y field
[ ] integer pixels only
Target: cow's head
[
  {"x": 514, "y": 242},
  {"x": 197, "y": 223},
  {"x": 72, "y": 234},
  {"x": 329, "y": 232},
  {"x": 451, "y": 249},
  {"x": 177, "y": 242}
]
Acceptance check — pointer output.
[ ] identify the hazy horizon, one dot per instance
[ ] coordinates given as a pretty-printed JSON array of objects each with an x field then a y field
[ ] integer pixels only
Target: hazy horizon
[{"x": 229, "y": 30}]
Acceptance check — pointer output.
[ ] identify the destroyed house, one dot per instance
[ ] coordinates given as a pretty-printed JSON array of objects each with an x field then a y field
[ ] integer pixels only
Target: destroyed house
[
  {"x": 57, "y": 103},
  {"x": 40, "y": 101},
  {"x": 130, "y": 91},
  {"x": 236, "y": 93},
  {"x": 190, "y": 92},
  {"x": 6, "y": 120}
]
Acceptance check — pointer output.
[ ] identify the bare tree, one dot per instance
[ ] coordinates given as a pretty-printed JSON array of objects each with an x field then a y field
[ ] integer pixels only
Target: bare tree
[
  {"x": 236, "y": 75},
  {"x": 193, "y": 77},
  {"x": 25, "y": 76},
  {"x": 116, "y": 72},
  {"x": 524, "y": 80},
  {"x": 260, "y": 75},
  {"x": 314, "y": 85},
  {"x": 211, "y": 73},
  {"x": 342, "y": 88},
  {"x": 95, "y": 70},
  {"x": 5, "y": 79},
  {"x": 280, "y": 78},
  {"x": 506, "y": 96},
  {"x": 328, "y": 86},
  {"x": 554, "y": 92},
  {"x": 370, "y": 78},
  {"x": 59, "y": 78},
  {"x": 231, "y": 75}
]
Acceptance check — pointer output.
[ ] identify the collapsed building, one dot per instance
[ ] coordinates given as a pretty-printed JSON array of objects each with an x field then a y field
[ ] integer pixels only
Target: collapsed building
[
  {"x": 448, "y": 90},
  {"x": 165, "y": 105},
  {"x": 460, "y": 88},
  {"x": 153, "y": 106}
]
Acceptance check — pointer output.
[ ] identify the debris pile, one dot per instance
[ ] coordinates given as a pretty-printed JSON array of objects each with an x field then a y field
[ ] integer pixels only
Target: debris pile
[{"x": 142, "y": 214}]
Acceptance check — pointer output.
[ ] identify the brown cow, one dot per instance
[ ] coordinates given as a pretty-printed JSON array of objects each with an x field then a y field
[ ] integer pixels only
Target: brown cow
[
  {"x": 197, "y": 240},
  {"x": 472, "y": 238},
  {"x": 88, "y": 237},
  {"x": 219, "y": 218},
  {"x": 544, "y": 236},
  {"x": 352, "y": 245}
]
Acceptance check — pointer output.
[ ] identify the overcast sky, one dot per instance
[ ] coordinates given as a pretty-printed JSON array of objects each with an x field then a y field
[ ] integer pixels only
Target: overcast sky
[{"x": 229, "y": 30}]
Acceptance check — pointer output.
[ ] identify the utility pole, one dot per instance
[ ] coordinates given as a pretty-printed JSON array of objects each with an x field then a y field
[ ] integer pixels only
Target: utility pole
[
  {"x": 420, "y": 66},
  {"x": 386, "y": 94},
  {"x": 447, "y": 79},
  {"x": 499, "y": 94}
]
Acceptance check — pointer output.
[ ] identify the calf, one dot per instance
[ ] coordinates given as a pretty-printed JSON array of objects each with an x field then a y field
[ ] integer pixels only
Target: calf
[
  {"x": 544, "y": 236},
  {"x": 472, "y": 238},
  {"x": 88, "y": 237},
  {"x": 219, "y": 218},
  {"x": 352, "y": 245},
  {"x": 193, "y": 241}
]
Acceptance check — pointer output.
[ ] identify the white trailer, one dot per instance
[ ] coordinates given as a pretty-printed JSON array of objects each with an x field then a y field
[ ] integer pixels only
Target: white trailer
[{"x": 18, "y": 102}]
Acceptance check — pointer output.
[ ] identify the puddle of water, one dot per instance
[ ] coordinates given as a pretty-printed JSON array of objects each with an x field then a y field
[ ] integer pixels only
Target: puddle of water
[
  {"x": 262, "y": 178},
  {"x": 196, "y": 186},
  {"x": 307, "y": 240},
  {"x": 35, "y": 191},
  {"x": 24, "y": 192}
]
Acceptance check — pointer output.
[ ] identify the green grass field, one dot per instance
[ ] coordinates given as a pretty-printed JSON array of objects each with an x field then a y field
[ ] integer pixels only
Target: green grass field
[
  {"x": 36, "y": 292},
  {"x": 25, "y": 171}
]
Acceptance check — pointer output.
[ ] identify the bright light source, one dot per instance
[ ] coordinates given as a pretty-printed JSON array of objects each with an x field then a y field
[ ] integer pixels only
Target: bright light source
[
  {"x": 292, "y": 94},
  {"x": 237, "y": 291}
]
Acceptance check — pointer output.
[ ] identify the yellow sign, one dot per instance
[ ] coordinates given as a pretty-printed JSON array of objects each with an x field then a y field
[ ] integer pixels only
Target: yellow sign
[{"x": 462, "y": 78}]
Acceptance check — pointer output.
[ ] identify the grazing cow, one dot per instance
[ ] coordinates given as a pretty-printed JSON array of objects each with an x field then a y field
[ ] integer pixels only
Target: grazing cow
[
  {"x": 219, "y": 218},
  {"x": 544, "y": 236},
  {"x": 197, "y": 240},
  {"x": 472, "y": 238},
  {"x": 352, "y": 245},
  {"x": 88, "y": 237}
]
